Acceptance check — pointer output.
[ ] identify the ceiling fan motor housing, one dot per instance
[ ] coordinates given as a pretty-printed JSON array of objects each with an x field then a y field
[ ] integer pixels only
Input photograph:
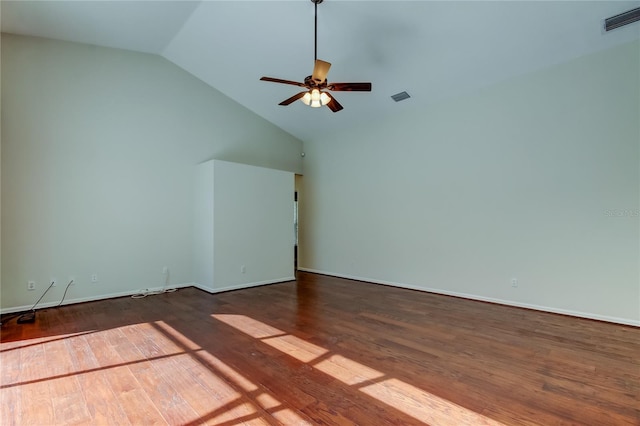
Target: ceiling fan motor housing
[{"x": 309, "y": 81}]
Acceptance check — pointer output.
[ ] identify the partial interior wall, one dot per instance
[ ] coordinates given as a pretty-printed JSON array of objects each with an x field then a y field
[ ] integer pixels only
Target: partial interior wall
[{"x": 244, "y": 231}]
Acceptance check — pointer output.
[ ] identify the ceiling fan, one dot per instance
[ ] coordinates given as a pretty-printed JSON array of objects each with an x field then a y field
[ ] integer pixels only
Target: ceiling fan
[{"x": 316, "y": 84}]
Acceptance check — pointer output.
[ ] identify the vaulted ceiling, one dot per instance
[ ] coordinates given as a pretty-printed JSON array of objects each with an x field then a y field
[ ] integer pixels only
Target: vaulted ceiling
[{"x": 434, "y": 50}]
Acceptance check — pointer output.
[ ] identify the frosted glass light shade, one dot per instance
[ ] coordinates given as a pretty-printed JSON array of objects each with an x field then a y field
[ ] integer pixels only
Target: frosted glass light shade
[{"x": 315, "y": 98}]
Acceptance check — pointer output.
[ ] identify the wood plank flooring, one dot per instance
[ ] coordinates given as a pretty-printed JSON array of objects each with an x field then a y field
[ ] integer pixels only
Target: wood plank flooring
[{"x": 319, "y": 351}]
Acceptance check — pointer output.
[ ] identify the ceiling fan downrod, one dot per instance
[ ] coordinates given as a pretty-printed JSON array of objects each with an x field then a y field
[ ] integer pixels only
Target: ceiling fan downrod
[{"x": 315, "y": 26}]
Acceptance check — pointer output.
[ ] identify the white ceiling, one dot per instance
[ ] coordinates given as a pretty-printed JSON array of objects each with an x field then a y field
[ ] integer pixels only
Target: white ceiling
[{"x": 435, "y": 50}]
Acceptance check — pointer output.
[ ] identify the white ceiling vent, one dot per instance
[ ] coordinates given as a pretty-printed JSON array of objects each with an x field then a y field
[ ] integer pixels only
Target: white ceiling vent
[{"x": 400, "y": 96}]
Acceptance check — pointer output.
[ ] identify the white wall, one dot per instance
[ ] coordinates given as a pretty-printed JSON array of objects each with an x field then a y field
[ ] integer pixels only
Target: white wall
[
  {"x": 244, "y": 225},
  {"x": 98, "y": 151},
  {"x": 0, "y": 172},
  {"x": 536, "y": 178},
  {"x": 253, "y": 225}
]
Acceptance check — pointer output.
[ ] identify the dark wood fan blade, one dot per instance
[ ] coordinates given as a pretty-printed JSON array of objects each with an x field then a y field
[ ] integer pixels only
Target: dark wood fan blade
[
  {"x": 279, "y": 80},
  {"x": 350, "y": 87},
  {"x": 292, "y": 99},
  {"x": 333, "y": 104}
]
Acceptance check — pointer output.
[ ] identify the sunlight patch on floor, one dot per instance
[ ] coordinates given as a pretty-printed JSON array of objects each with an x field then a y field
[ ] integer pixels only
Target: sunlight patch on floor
[
  {"x": 284, "y": 415},
  {"x": 23, "y": 343},
  {"x": 237, "y": 378},
  {"x": 346, "y": 370},
  {"x": 289, "y": 417},
  {"x": 181, "y": 342},
  {"x": 253, "y": 328},
  {"x": 296, "y": 347},
  {"x": 267, "y": 401},
  {"x": 233, "y": 413},
  {"x": 413, "y": 401},
  {"x": 423, "y": 405}
]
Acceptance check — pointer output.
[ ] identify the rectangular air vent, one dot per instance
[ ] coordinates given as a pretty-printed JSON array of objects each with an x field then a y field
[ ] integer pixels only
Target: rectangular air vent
[
  {"x": 400, "y": 96},
  {"x": 621, "y": 20}
]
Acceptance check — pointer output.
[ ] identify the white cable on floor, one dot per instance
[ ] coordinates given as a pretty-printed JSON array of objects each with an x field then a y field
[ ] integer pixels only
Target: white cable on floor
[
  {"x": 144, "y": 294},
  {"x": 153, "y": 293}
]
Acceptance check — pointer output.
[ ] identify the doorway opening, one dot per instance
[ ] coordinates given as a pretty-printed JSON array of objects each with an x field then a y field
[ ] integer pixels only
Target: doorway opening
[
  {"x": 296, "y": 222},
  {"x": 295, "y": 232}
]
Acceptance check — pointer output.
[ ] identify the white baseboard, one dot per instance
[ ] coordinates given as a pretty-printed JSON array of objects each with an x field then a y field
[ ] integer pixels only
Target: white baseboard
[
  {"x": 140, "y": 290},
  {"x": 579, "y": 314},
  {"x": 213, "y": 290},
  {"x": 93, "y": 298}
]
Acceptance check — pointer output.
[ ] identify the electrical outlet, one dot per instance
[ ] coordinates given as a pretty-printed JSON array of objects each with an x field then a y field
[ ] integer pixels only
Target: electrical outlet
[
  {"x": 72, "y": 279},
  {"x": 165, "y": 269},
  {"x": 94, "y": 278},
  {"x": 31, "y": 285},
  {"x": 53, "y": 281},
  {"x": 514, "y": 282},
  {"x": 243, "y": 269}
]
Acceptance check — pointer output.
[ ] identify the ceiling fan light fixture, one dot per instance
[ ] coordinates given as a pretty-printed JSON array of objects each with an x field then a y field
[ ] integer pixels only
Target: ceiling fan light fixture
[{"x": 315, "y": 98}]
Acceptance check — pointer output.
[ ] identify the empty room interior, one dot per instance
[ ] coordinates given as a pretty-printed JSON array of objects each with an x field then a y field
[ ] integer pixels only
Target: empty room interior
[{"x": 312, "y": 212}]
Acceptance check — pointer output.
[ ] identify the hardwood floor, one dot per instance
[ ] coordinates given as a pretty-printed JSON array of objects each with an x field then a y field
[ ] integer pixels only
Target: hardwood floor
[{"x": 320, "y": 351}]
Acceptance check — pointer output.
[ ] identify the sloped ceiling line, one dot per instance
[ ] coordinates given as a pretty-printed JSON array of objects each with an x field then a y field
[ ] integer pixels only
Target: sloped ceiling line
[{"x": 436, "y": 50}]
